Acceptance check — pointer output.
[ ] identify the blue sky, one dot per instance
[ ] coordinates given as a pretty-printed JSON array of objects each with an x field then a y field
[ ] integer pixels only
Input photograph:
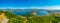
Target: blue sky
[{"x": 30, "y": 4}]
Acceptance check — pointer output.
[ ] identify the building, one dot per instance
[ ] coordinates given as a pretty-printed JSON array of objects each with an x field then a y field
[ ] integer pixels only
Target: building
[{"x": 33, "y": 12}]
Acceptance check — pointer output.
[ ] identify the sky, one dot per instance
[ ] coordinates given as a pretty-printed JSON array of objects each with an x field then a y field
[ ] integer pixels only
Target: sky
[{"x": 29, "y": 4}]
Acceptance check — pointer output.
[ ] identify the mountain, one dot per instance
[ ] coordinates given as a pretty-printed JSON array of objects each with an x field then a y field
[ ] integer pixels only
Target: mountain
[{"x": 25, "y": 11}]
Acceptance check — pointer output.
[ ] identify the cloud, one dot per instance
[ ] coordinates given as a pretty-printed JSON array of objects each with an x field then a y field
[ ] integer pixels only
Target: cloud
[{"x": 56, "y": 7}]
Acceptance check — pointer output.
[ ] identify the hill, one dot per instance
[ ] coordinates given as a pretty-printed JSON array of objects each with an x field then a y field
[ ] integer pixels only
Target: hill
[{"x": 30, "y": 18}]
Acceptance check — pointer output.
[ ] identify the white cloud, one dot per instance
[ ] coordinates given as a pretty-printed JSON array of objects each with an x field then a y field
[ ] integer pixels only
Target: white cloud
[
  {"x": 53, "y": 7},
  {"x": 56, "y": 7}
]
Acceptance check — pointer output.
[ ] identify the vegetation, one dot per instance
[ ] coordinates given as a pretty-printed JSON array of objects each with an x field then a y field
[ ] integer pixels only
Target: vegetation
[{"x": 30, "y": 18}]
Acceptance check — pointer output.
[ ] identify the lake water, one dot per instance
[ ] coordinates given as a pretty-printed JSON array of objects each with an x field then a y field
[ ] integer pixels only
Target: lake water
[{"x": 39, "y": 12}]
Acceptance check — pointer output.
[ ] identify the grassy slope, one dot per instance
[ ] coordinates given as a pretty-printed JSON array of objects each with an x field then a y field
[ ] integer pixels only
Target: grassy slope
[{"x": 34, "y": 19}]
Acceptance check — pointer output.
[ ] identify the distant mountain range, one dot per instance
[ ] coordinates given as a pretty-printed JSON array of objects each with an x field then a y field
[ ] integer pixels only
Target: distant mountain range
[{"x": 25, "y": 11}]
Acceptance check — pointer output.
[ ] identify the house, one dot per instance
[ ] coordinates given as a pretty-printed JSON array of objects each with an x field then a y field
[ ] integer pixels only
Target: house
[{"x": 34, "y": 12}]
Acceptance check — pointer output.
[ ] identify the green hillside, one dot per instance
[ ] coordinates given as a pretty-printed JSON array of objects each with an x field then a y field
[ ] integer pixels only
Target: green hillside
[{"x": 30, "y": 18}]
